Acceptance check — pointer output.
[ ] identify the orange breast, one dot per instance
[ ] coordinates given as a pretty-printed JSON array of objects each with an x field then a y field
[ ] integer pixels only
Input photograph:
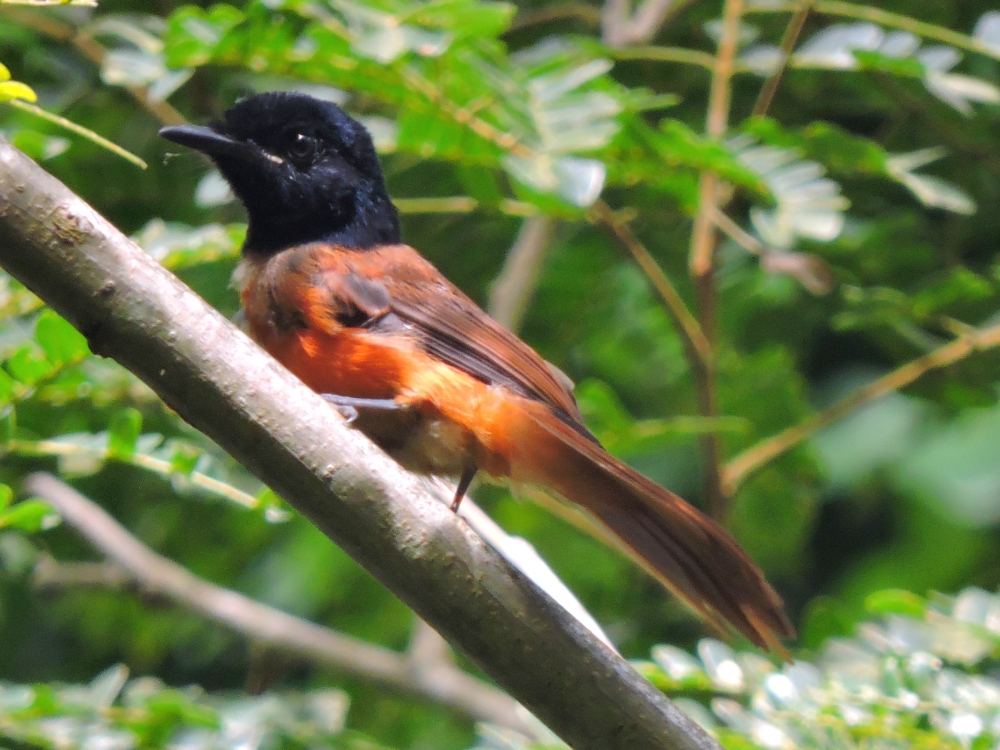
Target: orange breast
[
  {"x": 463, "y": 420},
  {"x": 345, "y": 363},
  {"x": 362, "y": 365}
]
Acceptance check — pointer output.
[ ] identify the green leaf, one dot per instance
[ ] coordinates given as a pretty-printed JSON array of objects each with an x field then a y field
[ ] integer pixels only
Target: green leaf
[
  {"x": 30, "y": 516},
  {"x": 184, "y": 459},
  {"x": 8, "y": 423},
  {"x": 272, "y": 506},
  {"x": 60, "y": 341},
  {"x": 6, "y": 495},
  {"x": 123, "y": 432},
  {"x": 904, "y": 67},
  {"x": 4, "y": 73},
  {"x": 38, "y": 145},
  {"x": 464, "y": 18},
  {"x": 824, "y": 618},
  {"x": 896, "y": 601},
  {"x": 193, "y": 34},
  {"x": 6, "y": 388},
  {"x": 27, "y": 367},
  {"x": 679, "y": 146},
  {"x": 824, "y": 142}
]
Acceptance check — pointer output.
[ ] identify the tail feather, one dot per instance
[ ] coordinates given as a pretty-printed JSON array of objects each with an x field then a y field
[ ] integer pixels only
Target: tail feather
[{"x": 689, "y": 553}]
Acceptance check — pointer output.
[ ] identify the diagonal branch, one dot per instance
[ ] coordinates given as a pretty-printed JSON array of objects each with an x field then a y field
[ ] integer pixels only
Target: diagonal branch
[
  {"x": 695, "y": 342},
  {"x": 266, "y": 626},
  {"x": 788, "y": 39},
  {"x": 137, "y": 312},
  {"x": 754, "y": 458}
]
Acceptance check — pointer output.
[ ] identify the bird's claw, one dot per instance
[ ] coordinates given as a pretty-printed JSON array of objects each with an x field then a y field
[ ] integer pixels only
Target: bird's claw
[{"x": 348, "y": 412}]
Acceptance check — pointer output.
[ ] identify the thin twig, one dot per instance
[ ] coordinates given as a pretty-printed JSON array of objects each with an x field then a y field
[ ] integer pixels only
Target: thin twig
[
  {"x": 50, "y": 3},
  {"x": 703, "y": 241},
  {"x": 788, "y": 40},
  {"x": 518, "y": 278},
  {"x": 885, "y": 18},
  {"x": 754, "y": 458},
  {"x": 49, "y": 574},
  {"x": 737, "y": 233},
  {"x": 87, "y": 133},
  {"x": 687, "y": 325},
  {"x": 588, "y": 14},
  {"x": 666, "y": 54},
  {"x": 458, "y": 204},
  {"x": 264, "y": 625},
  {"x": 462, "y": 204},
  {"x": 145, "y": 461}
]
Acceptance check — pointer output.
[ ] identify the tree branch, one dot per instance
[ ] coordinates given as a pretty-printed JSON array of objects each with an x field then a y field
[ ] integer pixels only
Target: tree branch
[
  {"x": 133, "y": 562},
  {"x": 754, "y": 458},
  {"x": 518, "y": 278},
  {"x": 133, "y": 310},
  {"x": 788, "y": 39},
  {"x": 561, "y": 11},
  {"x": 702, "y": 254},
  {"x": 698, "y": 346}
]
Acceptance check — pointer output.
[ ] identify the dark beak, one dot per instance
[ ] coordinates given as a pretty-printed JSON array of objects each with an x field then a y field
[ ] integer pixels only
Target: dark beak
[{"x": 201, "y": 139}]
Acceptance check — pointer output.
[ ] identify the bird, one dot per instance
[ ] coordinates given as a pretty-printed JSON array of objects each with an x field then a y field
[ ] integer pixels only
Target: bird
[{"x": 329, "y": 289}]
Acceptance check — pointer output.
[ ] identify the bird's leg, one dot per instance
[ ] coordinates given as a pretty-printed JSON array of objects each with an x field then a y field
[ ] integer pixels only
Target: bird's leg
[
  {"x": 463, "y": 485},
  {"x": 348, "y": 406}
]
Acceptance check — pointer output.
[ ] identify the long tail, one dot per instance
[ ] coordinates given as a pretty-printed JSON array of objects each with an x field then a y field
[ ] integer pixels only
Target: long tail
[{"x": 689, "y": 553}]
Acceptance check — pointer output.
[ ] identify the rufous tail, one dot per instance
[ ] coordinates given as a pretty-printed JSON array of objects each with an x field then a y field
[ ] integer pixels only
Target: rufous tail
[{"x": 689, "y": 553}]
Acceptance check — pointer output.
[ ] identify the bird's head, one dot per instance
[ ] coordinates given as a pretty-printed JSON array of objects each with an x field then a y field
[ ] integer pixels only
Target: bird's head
[{"x": 304, "y": 170}]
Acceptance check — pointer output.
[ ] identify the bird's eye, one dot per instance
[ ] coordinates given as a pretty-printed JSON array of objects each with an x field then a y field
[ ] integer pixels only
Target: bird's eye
[{"x": 302, "y": 147}]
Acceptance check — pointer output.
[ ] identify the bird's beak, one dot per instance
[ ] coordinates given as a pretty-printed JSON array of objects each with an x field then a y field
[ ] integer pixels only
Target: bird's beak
[{"x": 202, "y": 139}]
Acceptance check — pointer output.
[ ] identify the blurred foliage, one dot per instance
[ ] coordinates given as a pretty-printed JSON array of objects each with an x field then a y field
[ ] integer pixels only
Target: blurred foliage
[
  {"x": 862, "y": 238},
  {"x": 923, "y": 675}
]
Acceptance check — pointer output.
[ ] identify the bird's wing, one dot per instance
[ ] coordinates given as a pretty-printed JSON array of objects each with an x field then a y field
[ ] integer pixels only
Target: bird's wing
[{"x": 394, "y": 285}]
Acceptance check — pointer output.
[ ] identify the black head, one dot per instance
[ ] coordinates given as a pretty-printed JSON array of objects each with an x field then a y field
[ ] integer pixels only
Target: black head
[{"x": 304, "y": 170}]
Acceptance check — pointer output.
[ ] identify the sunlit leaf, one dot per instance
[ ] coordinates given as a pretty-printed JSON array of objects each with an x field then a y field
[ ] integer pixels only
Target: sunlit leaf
[
  {"x": 833, "y": 46},
  {"x": 808, "y": 204},
  {"x": 60, "y": 341},
  {"x": 30, "y": 516},
  {"x": 16, "y": 90},
  {"x": 987, "y": 30},
  {"x": 929, "y": 190},
  {"x": 123, "y": 432},
  {"x": 896, "y": 601},
  {"x": 28, "y": 367}
]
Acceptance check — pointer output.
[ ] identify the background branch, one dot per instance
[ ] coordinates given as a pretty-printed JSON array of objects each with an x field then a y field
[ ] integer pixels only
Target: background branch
[
  {"x": 702, "y": 262},
  {"x": 767, "y": 450},
  {"x": 698, "y": 346},
  {"x": 517, "y": 280},
  {"x": 133, "y": 562},
  {"x": 132, "y": 309},
  {"x": 788, "y": 39}
]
